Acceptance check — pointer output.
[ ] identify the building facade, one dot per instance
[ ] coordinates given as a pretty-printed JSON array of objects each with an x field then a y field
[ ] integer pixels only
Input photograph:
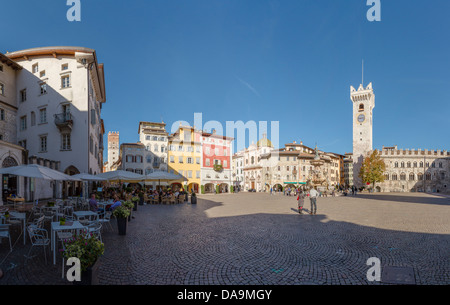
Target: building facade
[
  {"x": 216, "y": 173},
  {"x": 55, "y": 96},
  {"x": 155, "y": 139},
  {"x": 238, "y": 170},
  {"x": 113, "y": 150},
  {"x": 363, "y": 101},
  {"x": 185, "y": 154}
]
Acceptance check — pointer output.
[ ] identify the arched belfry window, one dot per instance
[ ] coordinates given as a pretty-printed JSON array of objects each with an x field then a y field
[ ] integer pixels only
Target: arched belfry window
[{"x": 361, "y": 107}]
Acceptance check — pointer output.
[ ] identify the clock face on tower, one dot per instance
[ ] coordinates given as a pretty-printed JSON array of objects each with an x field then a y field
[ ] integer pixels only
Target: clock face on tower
[{"x": 361, "y": 118}]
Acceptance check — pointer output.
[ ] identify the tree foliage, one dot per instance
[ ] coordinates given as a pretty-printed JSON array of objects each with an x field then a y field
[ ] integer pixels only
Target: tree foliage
[{"x": 372, "y": 169}]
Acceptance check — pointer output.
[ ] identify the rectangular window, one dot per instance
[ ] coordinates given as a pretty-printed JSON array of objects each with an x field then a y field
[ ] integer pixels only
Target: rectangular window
[
  {"x": 2, "y": 115},
  {"x": 65, "y": 67},
  {"x": 23, "y": 122},
  {"x": 43, "y": 144},
  {"x": 197, "y": 174},
  {"x": 180, "y": 159},
  {"x": 65, "y": 81},
  {"x": 1, "y": 137},
  {"x": 65, "y": 141},
  {"x": 23, "y": 95},
  {"x": 1, "y": 68},
  {"x": 189, "y": 174},
  {"x": 43, "y": 116},
  {"x": 35, "y": 68},
  {"x": 43, "y": 88},
  {"x": 189, "y": 160},
  {"x": 2, "y": 89},
  {"x": 197, "y": 160},
  {"x": 172, "y": 159},
  {"x": 42, "y": 74},
  {"x": 180, "y": 148}
]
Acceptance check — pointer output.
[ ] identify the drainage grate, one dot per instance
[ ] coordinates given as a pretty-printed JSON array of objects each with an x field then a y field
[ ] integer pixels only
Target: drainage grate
[{"x": 398, "y": 275}]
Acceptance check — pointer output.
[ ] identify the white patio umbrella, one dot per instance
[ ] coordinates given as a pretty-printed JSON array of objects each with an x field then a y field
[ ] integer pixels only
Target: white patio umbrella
[
  {"x": 121, "y": 175},
  {"x": 87, "y": 178},
  {"x": 163, "y": 176},
  {"x": 37, "y": 171}
]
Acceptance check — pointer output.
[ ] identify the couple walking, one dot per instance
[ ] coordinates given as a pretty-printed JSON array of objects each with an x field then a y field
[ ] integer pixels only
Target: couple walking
[{"x": 313, "y": 194}]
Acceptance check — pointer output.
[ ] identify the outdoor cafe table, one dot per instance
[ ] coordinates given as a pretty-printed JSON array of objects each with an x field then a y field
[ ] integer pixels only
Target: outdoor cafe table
[
  {"x": 56, "y": 226},
  {"x": 20, "y": 216},
  {"x": 79, "y": 214}
]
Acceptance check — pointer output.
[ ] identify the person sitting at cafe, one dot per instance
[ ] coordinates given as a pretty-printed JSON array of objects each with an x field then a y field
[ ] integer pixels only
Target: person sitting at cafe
[{"x": 115, "y": 204}]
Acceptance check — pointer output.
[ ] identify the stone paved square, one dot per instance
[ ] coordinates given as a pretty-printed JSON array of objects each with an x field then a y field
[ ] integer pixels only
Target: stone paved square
[{"x": 260, "y": 239}]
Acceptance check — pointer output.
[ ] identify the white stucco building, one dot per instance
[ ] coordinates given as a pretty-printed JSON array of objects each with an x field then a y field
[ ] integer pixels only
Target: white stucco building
[{"x": 57, "y": 98}]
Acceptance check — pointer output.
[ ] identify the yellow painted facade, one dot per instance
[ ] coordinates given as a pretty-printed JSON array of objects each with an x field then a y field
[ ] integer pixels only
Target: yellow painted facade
[{"x": 185, "y": 157}]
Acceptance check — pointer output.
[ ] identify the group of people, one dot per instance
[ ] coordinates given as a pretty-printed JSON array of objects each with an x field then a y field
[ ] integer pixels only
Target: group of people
[{"x": 312, "y": 194}]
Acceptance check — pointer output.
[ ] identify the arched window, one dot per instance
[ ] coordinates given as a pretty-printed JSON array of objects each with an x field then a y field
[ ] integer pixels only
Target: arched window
[
  {"x": 386, "y": 177},
  {"x": 419, "y": 176},
  {"x": 361, "y": 107},
  {"x": 396, "y": 164},
  {"x": 415, "y": 164},
  {"x": 408, "y": 164},
  {"x": 421, "y": 164},
  {"x": 402, "y": 176},
  {"x": 155, "y": 148},
  {"x": 411, "y": 177},
  {"x": 428, "y": 176},
  {"x": 394, "y": 177},
  {"x": 402, "y": 164}
]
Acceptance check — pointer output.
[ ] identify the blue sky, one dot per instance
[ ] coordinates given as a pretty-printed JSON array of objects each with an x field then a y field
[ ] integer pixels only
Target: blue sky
[{"x": 259, "y": 60}]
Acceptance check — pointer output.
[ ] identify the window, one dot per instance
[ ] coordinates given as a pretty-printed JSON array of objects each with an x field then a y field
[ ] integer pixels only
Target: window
[
  {"x": 43, "y": 88},
  {"x": 163, "y": 148},
  {"x": 65, "y": 81},
  {"x": 91, "y": 144},
  {"x": 35, "y": 68},
  {"x": 197, "y": 174},
  {"x": 386, "y": 177},
  {"x": 2, "y": 89},
  {"x": 225, "y": 164},
  {"x": 415, "y": 164},
  {"x": 43, "y": 116},
  {"x": 172, "y": 159},
  {"x": 42, "y": 74},
  {"x": 149, "y": 159},
  {"x": 189, "y": 174},
  {"x": 207, "y": 162},
  {"x": 442, "y": 175},
  {"x": 180, "y": 147},
  {"x": 180, "y": 159},
  {"x": 440, "y": 164},
  {"x": 23, "y": 122},
  {"x": 155, "y": 148},
  {"x": 394, "y": 177},
  {"x": 197, "y": 160},
  {"x": 65, "y": 141},
  {"x": 43, "y": 144},
  {"x": 419, "y": 176},
  {"x": 2, "y": 115},
  {"x": 428, "y": 176},
  {"x": 1, "y": 68},
  {"x": 396, "y": 164},
  {"x": 189, "y": 160},
  {"x": 411, "y": 177},
  {"x": 64, "y": 67},
  {"x": 147, "y": 138},
  {"x": 1, "y": 137},
  {"x": 23, "y": 95},
  {"x": 361, "y": 107}
]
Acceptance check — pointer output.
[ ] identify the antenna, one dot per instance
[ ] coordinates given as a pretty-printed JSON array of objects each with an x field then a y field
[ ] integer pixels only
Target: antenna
[{"x": 362, "y": 73}]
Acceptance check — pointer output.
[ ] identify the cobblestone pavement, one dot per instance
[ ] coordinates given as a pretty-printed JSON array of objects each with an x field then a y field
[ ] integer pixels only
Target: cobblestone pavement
[{"x": 259, "y": 239}]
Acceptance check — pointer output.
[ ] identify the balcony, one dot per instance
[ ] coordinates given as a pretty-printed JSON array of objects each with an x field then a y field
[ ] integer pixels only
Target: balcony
[{"x": 64, "y": 121}]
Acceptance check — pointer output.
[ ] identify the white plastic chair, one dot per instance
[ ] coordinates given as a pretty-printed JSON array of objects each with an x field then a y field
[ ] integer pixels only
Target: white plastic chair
[
  {"x": 106, "y": 219},
  {"x": 94, "y": 229}
]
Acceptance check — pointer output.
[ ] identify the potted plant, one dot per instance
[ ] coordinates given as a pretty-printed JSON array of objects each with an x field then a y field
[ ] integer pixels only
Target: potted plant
[
  {"x": 62, "y": 221},
  {"x": 51, "y": 204},
  {"x": 135, "y": 201},
  {"x": 121, "y": 213},
  {"x": 129, "y": 205},
  {"x": 87, "y": 249},
  {"x": 193, "y": 198}
]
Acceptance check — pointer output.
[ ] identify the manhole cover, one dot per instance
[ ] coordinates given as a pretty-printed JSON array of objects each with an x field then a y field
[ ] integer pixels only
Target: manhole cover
[{"x": 398, "y": 275}]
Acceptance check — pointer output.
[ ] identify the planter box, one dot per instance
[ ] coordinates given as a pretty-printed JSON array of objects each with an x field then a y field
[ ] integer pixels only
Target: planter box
[
  {"x": 193, "y": 200},
  {"x": 90, "y": 276},
  {"x": 122, "y": 225}
]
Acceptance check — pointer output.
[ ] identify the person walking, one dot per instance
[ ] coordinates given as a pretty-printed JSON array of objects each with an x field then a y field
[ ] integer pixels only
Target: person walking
[
  {"x": 301, "y": 201},
  {"x": 313, "y": 194}
]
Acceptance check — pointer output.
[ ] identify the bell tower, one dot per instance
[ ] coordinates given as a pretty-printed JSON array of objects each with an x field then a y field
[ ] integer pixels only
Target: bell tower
[{"x": 363, "y": 101}]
